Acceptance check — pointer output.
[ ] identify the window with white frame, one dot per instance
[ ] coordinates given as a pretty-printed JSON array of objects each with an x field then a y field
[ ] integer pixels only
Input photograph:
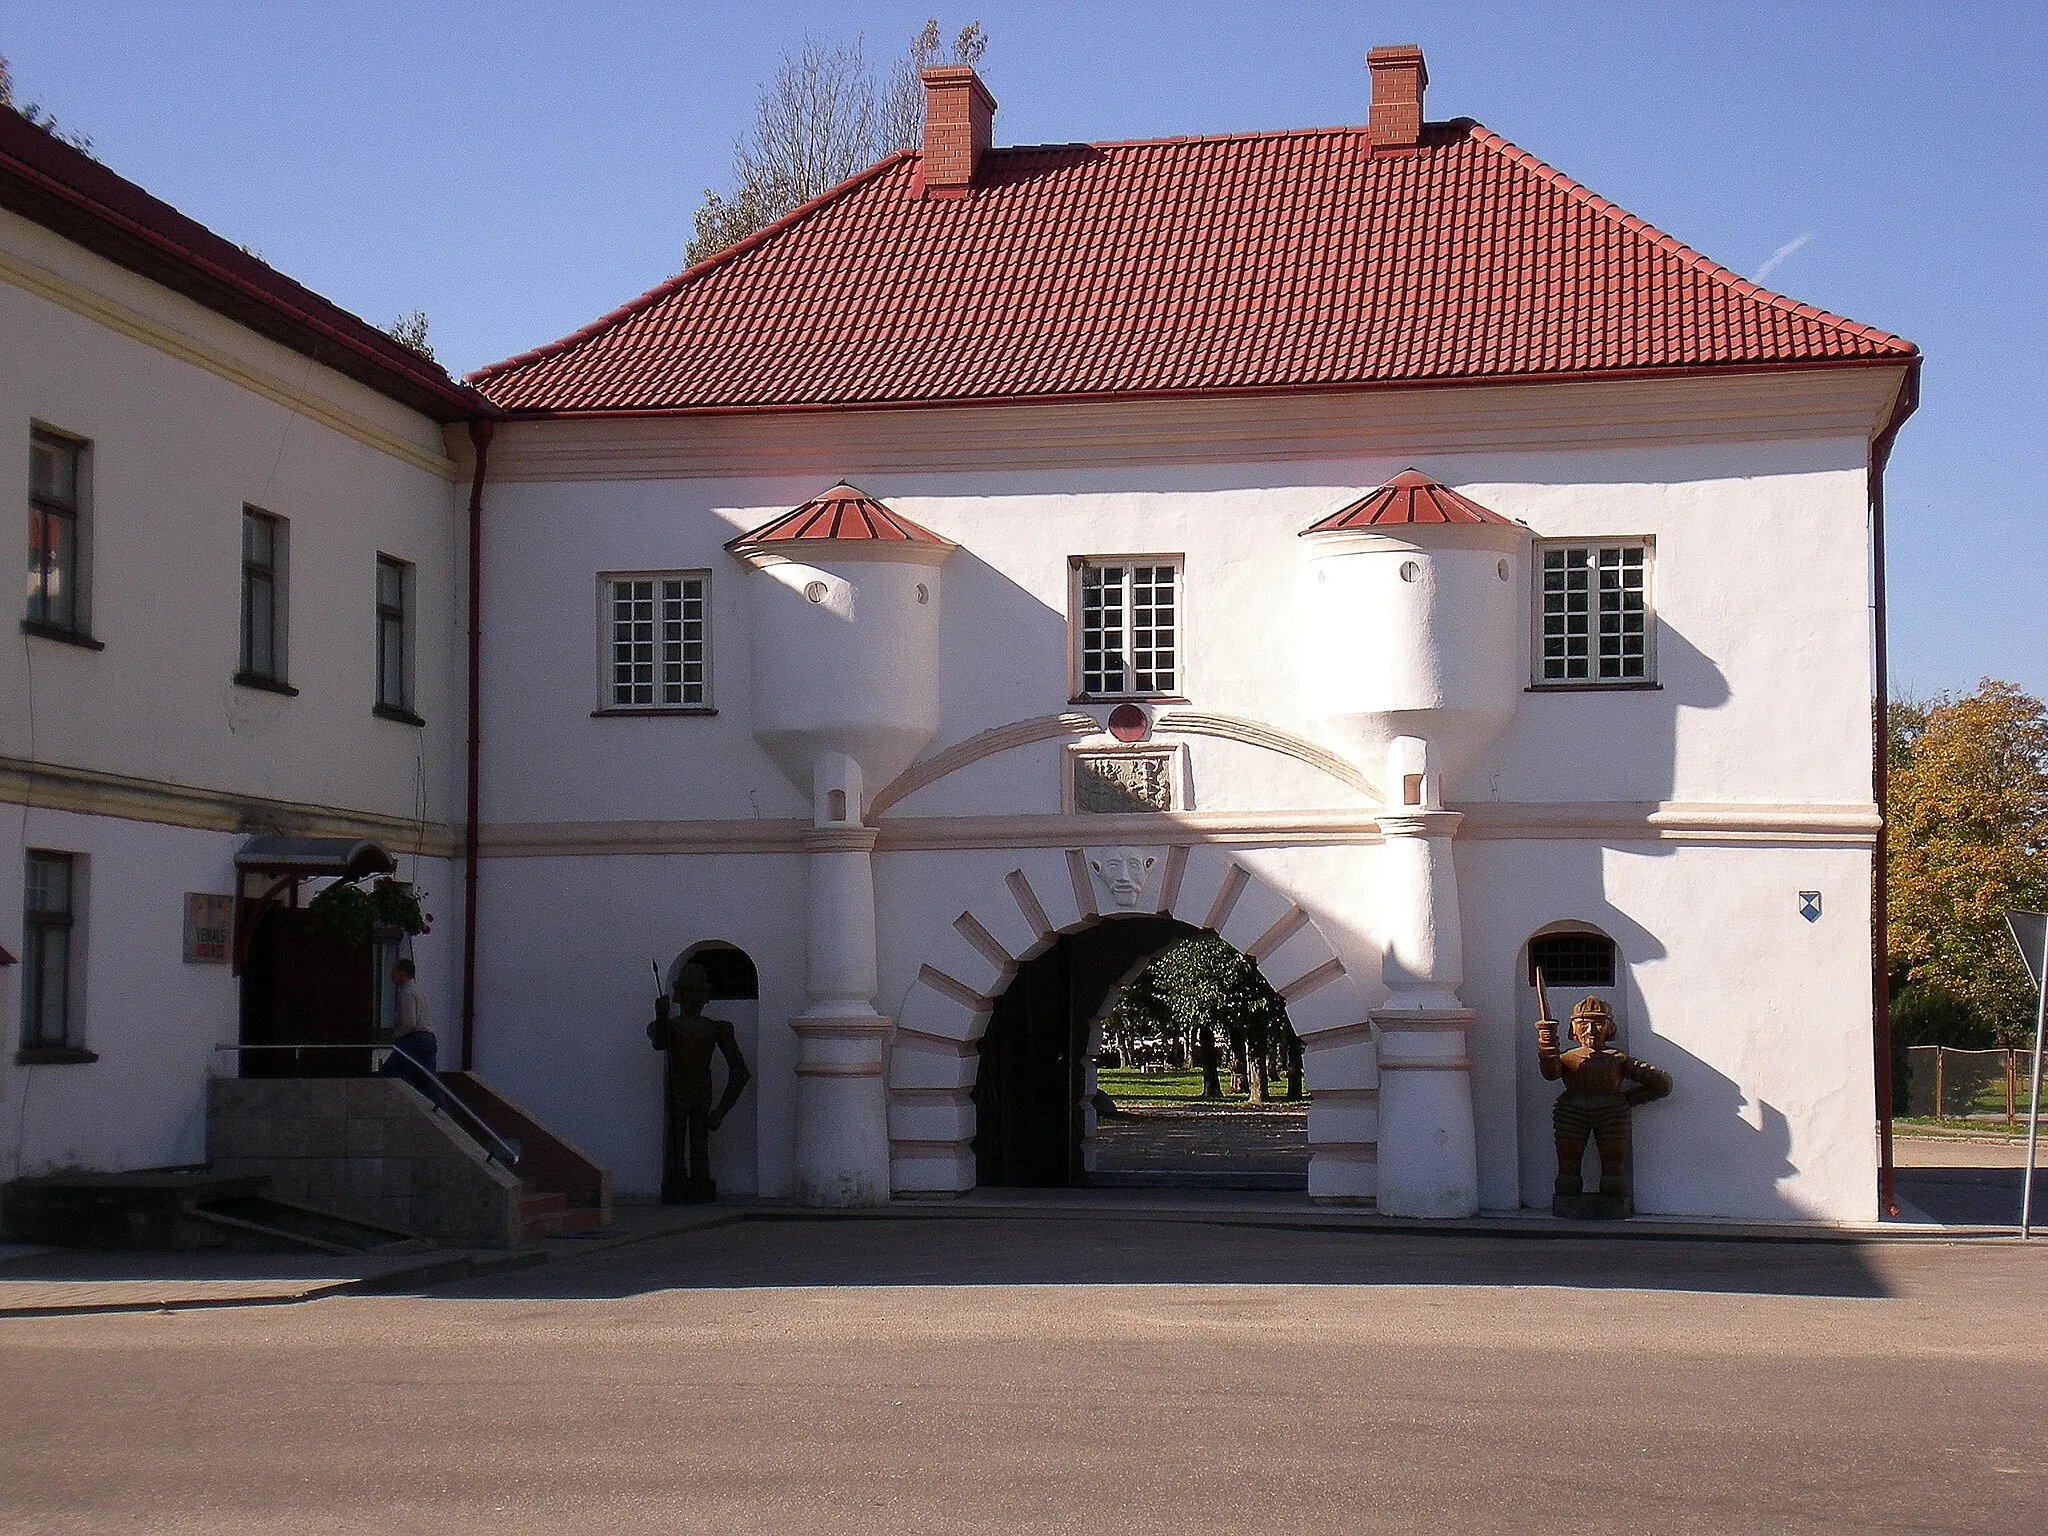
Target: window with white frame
[
  {"x": 48, "y": 961},
  {"x": 657, "y": 651},
  {"x": 263, "y": 594},
  {"x": 1127, "y": 626},
  {"x": 1594, "y": 616},
  {"x": 56, "y": 534}
]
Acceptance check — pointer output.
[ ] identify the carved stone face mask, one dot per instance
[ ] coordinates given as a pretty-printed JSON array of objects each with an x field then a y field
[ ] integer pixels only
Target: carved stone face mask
[{"x": 1124, "y": 871}]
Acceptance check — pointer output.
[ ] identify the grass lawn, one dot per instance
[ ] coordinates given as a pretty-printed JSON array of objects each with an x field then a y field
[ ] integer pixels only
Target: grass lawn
[
  {"x": 1979, "y": 1126},
  {"x": 1128, "y": 1086}
]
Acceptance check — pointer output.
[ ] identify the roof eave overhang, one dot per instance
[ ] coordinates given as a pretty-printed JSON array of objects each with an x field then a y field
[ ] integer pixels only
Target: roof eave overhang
[
  {"x": 1904, "y": 404},
  {"x": 46, "y": 199},
  {"x": 1248, "y": 391}
]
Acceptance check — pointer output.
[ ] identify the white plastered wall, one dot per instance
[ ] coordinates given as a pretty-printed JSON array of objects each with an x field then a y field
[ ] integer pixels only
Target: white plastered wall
[
  {"x": 1761, "y": 1017},
  {"x": 183, "y": 414},
  {"x": 152, "y": 1019},
  {"x": 176, "y": 452},
  {"x": 1761, "y": 588},
  {"x": 565, "y": 993}
]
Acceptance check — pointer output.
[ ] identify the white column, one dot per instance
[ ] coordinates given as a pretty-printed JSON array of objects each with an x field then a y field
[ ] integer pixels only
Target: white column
[
  {"x": 842, "y": 1124},
  {"x": 1428, "y": 1145}
]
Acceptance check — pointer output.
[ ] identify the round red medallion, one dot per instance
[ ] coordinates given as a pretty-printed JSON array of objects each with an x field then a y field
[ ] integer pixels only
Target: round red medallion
[{"x": 1127, "y": 722}]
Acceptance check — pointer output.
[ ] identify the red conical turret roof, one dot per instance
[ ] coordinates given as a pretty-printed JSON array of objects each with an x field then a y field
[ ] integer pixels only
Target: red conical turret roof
[
  {"x": 843, "y": 515},
  {"x": 1409, "y": 498}
]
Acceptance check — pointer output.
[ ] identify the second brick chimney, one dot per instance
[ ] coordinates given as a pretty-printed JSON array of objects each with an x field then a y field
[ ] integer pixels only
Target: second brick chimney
[
  {"x": 958, "y": 116},
  {"x": 1398, "y": 78}
]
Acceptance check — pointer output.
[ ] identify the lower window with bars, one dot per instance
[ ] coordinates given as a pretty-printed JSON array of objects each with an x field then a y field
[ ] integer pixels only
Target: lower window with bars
[{"x": 657, "y": 653}]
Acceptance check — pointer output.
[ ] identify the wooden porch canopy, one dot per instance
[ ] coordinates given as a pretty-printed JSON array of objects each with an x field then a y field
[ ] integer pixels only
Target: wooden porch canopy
[
  {"x": 287, "y": 861},
  {"x": 311, "y": 858}
]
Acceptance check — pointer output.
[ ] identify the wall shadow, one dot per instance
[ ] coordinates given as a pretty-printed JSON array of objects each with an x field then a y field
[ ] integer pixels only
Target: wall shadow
[
  {"x": 786, "y": 1248},
  {"x": 1564, "y": 745}
]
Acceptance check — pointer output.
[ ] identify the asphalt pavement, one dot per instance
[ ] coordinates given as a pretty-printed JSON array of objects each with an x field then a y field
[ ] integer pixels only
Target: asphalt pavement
[
  {"x": 1963, "y": 1182},
  {"x": 1080, "y": 1371}
]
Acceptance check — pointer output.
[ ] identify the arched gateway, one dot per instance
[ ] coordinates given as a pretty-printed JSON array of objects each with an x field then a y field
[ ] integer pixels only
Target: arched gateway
[{"x": 1044, "y": 894}]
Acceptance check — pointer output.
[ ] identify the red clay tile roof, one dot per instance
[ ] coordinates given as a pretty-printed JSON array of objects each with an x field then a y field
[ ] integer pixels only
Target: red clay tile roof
[
  {"x": 1410, "y": 497},
  {"x": 844, "y": 515},
  {"x": 46, "y": 180},
  {"x": 1268, "y": 261}
]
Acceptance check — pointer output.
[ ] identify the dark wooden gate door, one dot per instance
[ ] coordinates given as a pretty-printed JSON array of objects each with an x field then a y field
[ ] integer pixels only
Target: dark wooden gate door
[
  {"x": 304, "y": 986},
  {"x": 1027, "y": 1092}
]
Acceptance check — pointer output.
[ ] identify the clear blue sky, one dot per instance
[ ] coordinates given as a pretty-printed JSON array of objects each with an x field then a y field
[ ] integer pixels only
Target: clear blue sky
[{"x": 518, "y": 169}]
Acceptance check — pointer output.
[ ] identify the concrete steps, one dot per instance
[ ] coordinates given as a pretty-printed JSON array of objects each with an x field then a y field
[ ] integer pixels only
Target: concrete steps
[{"x": 545, "y": 1213}]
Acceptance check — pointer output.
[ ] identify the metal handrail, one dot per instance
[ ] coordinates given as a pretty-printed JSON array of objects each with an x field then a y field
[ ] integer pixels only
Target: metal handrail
[{"x": 511, "y": 1158}]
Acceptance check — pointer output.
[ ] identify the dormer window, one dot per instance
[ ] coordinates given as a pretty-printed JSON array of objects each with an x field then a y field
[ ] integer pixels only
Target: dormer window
[{"x": 1126, "y": 626}]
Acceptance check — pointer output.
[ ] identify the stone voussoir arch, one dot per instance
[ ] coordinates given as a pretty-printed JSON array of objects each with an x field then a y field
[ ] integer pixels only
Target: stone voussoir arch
[{"x": 1046, "y": 893}]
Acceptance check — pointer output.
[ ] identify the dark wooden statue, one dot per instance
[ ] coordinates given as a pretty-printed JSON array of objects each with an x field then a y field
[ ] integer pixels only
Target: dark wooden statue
[
  {"x": 689, "y": 1117},
  {"x": 1601, "y": 1086}
]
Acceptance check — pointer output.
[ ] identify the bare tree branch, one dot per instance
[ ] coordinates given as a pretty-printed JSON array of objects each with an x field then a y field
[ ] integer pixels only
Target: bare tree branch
[{"x": 818, "y": 122}]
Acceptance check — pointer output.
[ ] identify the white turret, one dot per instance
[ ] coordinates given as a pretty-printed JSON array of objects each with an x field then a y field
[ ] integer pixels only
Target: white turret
[
  {"x": 846, "y": 694},
  {"x": 1416, "y": 632},
  {"x": 1415, "y": 665},
  {"x": 846, "y": 640}
]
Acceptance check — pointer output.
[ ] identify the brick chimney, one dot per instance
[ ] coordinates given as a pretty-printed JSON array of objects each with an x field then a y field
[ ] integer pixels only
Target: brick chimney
[
  {"x": 1398, "y": 77},
  {"x": 958, "y": 115}
]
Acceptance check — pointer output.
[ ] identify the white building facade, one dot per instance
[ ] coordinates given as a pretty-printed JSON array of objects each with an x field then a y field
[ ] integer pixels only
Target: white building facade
[
  {"x": 1105, "y": 619},
  {"x": 238, "y": 499},
  {"x": 1366, "y": 545}
]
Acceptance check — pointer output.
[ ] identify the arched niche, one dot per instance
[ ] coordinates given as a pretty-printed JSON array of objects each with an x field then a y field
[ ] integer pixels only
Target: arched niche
[
  {"x": 735, "y": 998},
  {"x": 731, "y": 969},
  {"x": 1580, "y": 959}
]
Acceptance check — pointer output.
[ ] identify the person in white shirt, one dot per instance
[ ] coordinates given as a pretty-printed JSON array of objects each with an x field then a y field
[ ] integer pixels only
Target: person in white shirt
[{"x": 415, "y": 1049}]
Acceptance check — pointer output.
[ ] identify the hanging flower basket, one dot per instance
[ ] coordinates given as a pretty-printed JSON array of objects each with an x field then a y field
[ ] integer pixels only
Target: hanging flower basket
[{"x": 354, "y": 915}]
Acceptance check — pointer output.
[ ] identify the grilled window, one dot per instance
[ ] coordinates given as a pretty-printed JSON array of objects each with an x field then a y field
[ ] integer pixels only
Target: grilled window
[
  {"x": 1572, "y": 960},
  {"x": 56, "y": 533},
  {"x": 1129, "y": 629},
  {"x": 262, "y": 597},
  {"x": 657, "y": 648},
  {"x": 1594, "y": 609},
  {"x": 46, "y": 962}
]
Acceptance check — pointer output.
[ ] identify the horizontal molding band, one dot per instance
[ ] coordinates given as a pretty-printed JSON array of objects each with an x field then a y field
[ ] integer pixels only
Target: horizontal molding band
[
  {"x": 1719, "y": 825},
  {"x": 584, "y": 839},
  {"x": 1819, "y": 402},
  {"x": 119, "y": 318},
  {"x": 90, "y": 792},
  {"x": 1852, "y": 825}
]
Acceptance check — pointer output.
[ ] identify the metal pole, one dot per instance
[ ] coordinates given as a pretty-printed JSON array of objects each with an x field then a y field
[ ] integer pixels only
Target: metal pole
[{"x": 2034, "y": 1106}]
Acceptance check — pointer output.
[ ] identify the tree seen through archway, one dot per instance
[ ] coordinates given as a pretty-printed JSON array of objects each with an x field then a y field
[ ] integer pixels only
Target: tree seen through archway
[{"x": 1197, "y": 1002}]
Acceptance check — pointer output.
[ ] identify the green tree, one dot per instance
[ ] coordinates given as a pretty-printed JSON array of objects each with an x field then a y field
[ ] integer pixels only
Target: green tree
[
  {"x": 1208, "y": 992},
  {"x": 35, "y": 114},
  {"x": 411, "y": 331},
  {"x": 819, "y": 121},
  {"x": 1968, "y": 840}
]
